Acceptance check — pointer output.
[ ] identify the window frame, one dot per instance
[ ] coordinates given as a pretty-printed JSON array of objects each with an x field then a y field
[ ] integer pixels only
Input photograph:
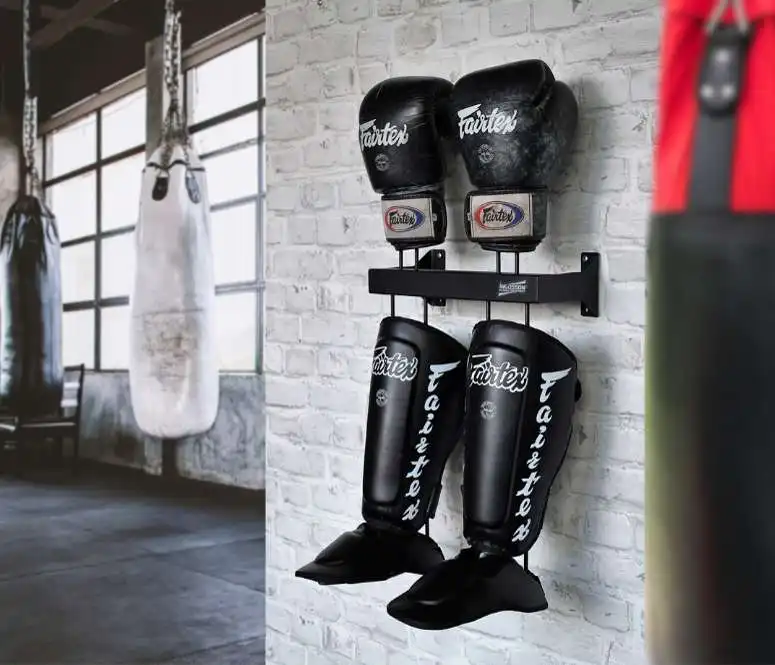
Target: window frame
[{"x": 250, "y": 29}]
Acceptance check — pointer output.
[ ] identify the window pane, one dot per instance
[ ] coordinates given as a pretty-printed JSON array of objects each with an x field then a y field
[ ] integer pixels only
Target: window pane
[
  {"x": 121, "y": 184},
  {"x": 72, "y": 146},
  {"x": 262, "y": 154},
  {"x": 40, "y": 159},
  {"x": 232, "y": 176},
  {"x": 78, "y": 338},
  {"x": 236, "y": 323},
  {"x": 114, "y": 338},
  {"x": 234, "y": 244},
  {"x": 225, "y": 82},
  {"x": 123, "y": 124},
  {"x": 118, "y": 265},
  {"x": 78, "y": 272},
  {"x": 74, "y": 205},
  {"x": 227, "y": 133},
  {"x": 262, "y": 58}
]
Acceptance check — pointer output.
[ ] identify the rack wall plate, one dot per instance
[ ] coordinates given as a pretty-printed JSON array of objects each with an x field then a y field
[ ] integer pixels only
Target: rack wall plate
[{"x": 429, "y": 279}]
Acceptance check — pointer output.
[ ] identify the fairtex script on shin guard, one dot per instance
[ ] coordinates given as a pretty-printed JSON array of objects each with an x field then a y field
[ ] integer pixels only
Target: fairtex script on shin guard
[
  {"x": 505, "y": 376},
  {"x": 431, "y": 406},
  {"x": 396, "y": 366},
  {"x": 543, "y": 418}
]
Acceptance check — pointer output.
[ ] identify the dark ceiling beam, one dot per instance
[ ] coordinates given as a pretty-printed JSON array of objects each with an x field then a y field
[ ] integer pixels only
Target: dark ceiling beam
[
  {"x": 10, "y": 39},
  {"x": 11, "y": 87},
  {"x": 72, "y": 19},
  {"x": 82, "y": 65},
  {"x": 98, "y": 24},
  {"x": 51, "y": 13},
  {"x": 71, "y": 71}
]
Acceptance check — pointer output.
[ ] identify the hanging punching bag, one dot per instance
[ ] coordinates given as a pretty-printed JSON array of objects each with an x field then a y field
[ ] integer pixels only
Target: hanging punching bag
[
  {"x": 173, "y": 369},
  {"x": 31, "y": 373},
  {"x": 711, "y": 317}
]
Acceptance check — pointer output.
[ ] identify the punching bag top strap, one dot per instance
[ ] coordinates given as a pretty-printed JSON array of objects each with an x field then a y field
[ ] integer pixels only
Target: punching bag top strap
[{"x": 719, "y": 90}]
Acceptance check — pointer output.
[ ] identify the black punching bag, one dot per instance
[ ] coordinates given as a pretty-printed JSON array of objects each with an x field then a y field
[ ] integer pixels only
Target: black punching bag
[
  {"x": 31, "y": 372},
  {"x": 710, "y": 445}
]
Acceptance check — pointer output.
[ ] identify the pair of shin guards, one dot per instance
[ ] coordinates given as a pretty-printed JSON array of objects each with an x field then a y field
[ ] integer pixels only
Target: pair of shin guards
[{"x": 510, "y": 397}]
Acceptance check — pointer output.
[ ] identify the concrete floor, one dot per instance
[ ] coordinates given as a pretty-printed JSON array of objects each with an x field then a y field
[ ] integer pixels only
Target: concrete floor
[{"x": 104, "y": 570}]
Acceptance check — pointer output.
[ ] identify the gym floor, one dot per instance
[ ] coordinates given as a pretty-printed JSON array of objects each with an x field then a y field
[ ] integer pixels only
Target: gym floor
[{"x": 111, "y": 569}]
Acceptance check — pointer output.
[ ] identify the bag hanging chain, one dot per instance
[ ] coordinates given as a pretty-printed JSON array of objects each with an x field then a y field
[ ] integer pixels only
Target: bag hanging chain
[
  {"x": 174, "y": 130},
  {"x": 30, "y": 117},
  {"x": 738, "y": 8}
]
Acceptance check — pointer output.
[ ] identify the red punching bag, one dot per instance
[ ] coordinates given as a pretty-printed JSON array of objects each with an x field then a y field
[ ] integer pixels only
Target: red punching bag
[
  {"x": 710, "y": 404},
  {"x": 685, "y": 41}
]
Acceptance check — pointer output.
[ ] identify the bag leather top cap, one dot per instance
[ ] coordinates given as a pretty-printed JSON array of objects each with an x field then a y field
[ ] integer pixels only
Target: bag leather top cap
[{"x": 683, "y": 44}]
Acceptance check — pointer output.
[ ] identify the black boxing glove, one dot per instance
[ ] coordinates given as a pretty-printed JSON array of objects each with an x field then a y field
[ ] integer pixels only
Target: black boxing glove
[
  {"x": 401, "y": 124},
  {"x": 514, "y": 125}
]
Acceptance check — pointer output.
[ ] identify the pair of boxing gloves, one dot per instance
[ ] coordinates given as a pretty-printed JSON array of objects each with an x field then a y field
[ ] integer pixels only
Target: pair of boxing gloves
[{"x": 513, "y": 125}]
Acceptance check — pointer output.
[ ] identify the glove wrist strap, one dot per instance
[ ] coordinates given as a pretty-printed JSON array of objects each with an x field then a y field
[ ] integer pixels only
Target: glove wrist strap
[
  {"x": 413, "y": 220},
  {"x": 506, "y": 219}
]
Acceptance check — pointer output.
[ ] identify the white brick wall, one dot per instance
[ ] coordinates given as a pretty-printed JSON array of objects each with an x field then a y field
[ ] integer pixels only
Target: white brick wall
[{"x": 324, "y": 233}]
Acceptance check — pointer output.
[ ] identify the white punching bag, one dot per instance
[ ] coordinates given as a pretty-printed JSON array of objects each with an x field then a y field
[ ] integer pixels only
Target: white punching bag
[{"x": 173, "y": 368}]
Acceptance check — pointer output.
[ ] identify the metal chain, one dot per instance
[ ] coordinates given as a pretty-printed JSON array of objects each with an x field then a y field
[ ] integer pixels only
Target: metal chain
[
  {"x": 30, "y": 118},
  {"x": 738, "y": 9},
  {"x": 175, "y": 130}
]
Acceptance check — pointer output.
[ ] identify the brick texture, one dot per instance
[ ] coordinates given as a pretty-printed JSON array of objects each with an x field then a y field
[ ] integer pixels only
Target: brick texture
[{"x": 324, "y": 233}]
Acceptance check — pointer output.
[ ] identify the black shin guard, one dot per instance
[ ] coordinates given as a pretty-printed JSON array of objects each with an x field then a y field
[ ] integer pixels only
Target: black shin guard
[
  {"x": 415, "y": 420},
  {"x": 522, "y": 388}
]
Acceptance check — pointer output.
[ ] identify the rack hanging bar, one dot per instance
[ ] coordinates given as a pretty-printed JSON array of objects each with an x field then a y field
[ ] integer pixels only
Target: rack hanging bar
[
  {"x": 424, "y": 300},
  {"x": 527, "y": 304},
  {"x": 437, "y": 284}
]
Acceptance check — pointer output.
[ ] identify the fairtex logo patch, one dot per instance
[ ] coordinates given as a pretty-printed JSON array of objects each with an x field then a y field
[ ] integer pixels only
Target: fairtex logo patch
[
  {"x": 401, "y": 219},
  {"x": 472, "y": 121},
  {"x": 498, "y": 215},
  {"x": 372, "y": 136}
]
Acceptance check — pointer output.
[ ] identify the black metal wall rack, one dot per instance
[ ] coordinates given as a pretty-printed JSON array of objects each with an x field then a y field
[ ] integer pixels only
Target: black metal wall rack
[{"x": 429, "y": 279}]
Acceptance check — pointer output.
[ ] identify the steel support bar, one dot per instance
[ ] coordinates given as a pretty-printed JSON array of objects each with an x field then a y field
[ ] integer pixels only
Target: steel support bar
[{"x": 439, "y": 284}]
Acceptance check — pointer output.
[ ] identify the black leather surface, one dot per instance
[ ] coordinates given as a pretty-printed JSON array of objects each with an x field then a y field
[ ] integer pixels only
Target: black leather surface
[
  {"x": 522, "y": 388},
  {"x": 418, "y": 104},
  {"x": 710, "y": 438},
  {"x": 465, "y": 589},
  {"x": 388, "y": 431},
  {"x": 514, "y": 124},
  {"x": 31, "y": 371},
  {"x": 403, "y": 444},
  {"x": 415, "y": 420},
  {"x": 714, "y": 135},
  {"x": 519, "y": 406},
  {"x": 369, "y": 554}
]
